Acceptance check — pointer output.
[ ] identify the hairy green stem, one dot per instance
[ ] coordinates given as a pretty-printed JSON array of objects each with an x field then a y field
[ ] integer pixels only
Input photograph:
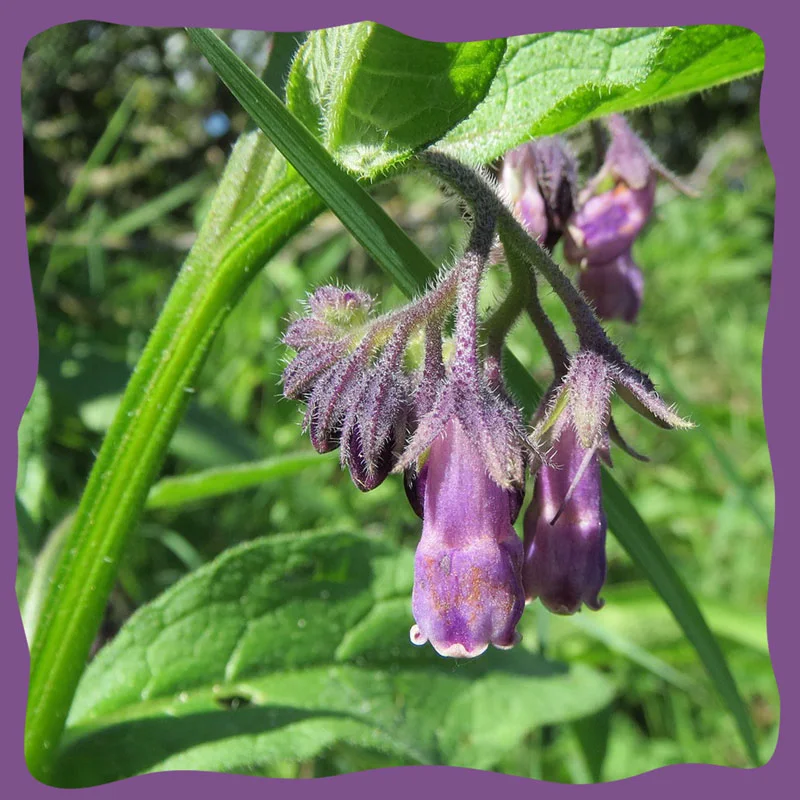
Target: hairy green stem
[
  {"x": 553, "y": 343},
  {"x": 133, "y": 450}
]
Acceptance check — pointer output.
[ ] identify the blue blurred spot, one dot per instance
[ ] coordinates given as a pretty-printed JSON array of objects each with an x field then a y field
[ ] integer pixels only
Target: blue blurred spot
[{"x": 217, "y": 124}]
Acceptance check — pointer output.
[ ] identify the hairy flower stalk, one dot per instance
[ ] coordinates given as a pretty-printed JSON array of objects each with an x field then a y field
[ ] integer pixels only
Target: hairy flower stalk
[{"x": 446, "y": 421}]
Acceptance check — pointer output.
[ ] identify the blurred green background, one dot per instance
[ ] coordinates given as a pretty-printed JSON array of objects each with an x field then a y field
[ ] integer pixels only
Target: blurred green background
[{"x": 127, "y": 130}]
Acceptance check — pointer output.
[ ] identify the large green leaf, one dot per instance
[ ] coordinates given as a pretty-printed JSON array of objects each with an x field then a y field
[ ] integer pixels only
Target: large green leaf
[
  {"x": 373, "y": 95},
  {"x": 549, "y": 82},
  {"x": 282, "y": 647}
]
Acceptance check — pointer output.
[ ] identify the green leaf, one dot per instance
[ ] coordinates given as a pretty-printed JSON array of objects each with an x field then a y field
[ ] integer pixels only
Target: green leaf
[
  {"x": 174, "y": 492},
  {"x": 364, "y": 218},
  {"x": 592, "y": 734},
  {"x": 252, "y": 660},
  {"x": 494, "y": 715},
  {"x": 373, "y": 96},
  {"x": 183, "y": 489},
  {"x": 549, "y": 82},
  {"x": 31, "y": 448}
]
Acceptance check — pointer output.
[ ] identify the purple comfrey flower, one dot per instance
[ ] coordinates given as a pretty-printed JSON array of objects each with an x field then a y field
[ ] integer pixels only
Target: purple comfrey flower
[
  {"x": 614, "y": 288},
  {"x": 565, "y": 527},
  {"x": 539, "y": 178},
  {"x": 518, "y": 178},
  {"x": 606, "y": 224},
  {"x": 565, "y": 530},
  {"x": 601, "y": 232},
  {"x": 467, "y": 581}
]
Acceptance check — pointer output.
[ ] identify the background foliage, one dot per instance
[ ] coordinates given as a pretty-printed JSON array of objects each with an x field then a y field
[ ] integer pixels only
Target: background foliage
[{"x": 126, "y": 133}]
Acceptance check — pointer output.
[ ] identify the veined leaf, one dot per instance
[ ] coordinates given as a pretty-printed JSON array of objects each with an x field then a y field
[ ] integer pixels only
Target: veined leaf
[
  {"x": 549, "y": 82},
  {"x": 241, "y": 664},
  {"x": 172, "y": 492},
  {"x": 373, "y": 96}
]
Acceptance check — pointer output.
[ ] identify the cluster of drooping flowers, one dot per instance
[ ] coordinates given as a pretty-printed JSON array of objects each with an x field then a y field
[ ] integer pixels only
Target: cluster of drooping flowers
[
  {"x": 601, "y": 225},
  {"x": 420, "y": 390}
]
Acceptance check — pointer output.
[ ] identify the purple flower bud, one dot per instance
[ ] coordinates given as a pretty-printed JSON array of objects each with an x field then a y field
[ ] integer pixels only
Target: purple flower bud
[
  {"x": 606, "y": 225},
  {"x": 518, "y": 177},
  {"x": 557, "y": 173},
  {"x": 628, "y": 159},
  {"x": 565, "y": 560},
  {"x": 467, "y": 582},
  {"x": 615, "y": 289},
  {"x": 540, "y": 178},
  {"x": 332, "y": 395},
  {"x": 308, "y": 365},
  {"x": 367, "y": 475},
  {"x": 339, "y": 305}
]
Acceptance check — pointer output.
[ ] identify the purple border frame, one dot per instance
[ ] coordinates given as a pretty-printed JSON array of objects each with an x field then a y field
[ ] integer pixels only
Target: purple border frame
[{"x": 431, "y": 19}]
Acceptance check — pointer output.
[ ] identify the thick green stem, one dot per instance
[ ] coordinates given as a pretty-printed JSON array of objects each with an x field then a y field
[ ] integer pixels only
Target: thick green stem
[{"x": 133, "y": 451}]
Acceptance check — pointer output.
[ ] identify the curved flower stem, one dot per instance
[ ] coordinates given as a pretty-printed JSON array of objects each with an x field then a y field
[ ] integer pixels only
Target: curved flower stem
[
  {"x": 465, "y": 363},
  {"x": 554, "y": 344},
  {"x": 504, "y": 316},
  {"x": 433, "y": 372}
]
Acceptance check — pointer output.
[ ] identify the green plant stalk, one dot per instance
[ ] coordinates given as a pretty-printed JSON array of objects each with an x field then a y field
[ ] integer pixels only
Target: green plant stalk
[
  {"x": 184, "y": 489},
  {"x": 134, "y": 448}
]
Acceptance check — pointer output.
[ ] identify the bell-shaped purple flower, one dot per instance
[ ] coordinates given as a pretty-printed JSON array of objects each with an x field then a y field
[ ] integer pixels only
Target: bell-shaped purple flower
[
  {"x": 606, "y": 225},
  {"x": 615, "y": 288},
  {"x": 565, "y": 530},
  {"x": 467, "y": 574}
]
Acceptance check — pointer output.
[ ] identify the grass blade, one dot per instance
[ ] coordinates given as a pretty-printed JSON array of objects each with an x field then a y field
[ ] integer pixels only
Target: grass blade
[
  {"x": 184, "y": 489},
  {"x": 634, "y": 535},
  {"x": 105, "y": 144}
]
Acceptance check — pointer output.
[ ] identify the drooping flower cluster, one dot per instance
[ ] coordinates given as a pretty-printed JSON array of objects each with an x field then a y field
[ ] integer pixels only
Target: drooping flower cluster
[
  {"x": 601, "y": 226},
  {"x": 398, "y": 393}
]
